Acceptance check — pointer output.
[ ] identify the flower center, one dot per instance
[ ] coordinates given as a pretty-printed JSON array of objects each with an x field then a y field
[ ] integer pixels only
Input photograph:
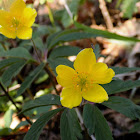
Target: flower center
[
  {"x": 15, "y": 22},
  {"x": 82, "y": 82}
]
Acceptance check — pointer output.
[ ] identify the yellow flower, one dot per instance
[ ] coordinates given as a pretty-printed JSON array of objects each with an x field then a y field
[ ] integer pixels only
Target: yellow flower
[
  {"x": 16, "y": 20},
  {"x": 83, "y": 80}
]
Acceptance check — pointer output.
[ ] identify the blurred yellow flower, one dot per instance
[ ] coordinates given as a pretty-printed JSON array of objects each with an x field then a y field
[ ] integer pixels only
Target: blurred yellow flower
[
  {"x": 84, "y": 80},
  {"x": 16, "y": 19}
]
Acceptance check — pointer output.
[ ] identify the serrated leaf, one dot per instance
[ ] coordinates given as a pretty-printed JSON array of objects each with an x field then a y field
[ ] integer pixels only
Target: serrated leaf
[
  {"x": 64, "y": 51},
  {"x": 124, "y": 106},
  {"x": 135, "y": 128},
  {"x": 69, "y": 125},
  {"x": 6, "y": 62},
  {"x": 19, "y": 52},
  {"x": 29, "y": 79},
  {"x": 44, "y": 100},
  {"x": 95, "y": 122},
  {"x": 103, "y": 33},
  {"x": 120, "y": 70},
  {"x": 53, "y": 63},
  {"x": 8, "y": 118},
  {"x": 11, "y": 72},
  {"x": 35, "y": 130},
  {"x": 117, "y": 86}
]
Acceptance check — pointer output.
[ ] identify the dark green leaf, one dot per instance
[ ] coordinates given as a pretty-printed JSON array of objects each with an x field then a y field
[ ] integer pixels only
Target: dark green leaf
[
  {"x": 117, "y": 86},
  {"x": 69, "y": 125},
  {"x": 44, "y": 100},
  {"x": 36, "y": 128},
  {"x": 59, "y": 61},
  {"x": 29, "y": 79},
  {"x": 66, "y": 35},
  {"x": 135, "y": 128},
  {"x": 120, "y": 70},
  {"x": 19, "y": 52},
  {"x": 102, "y": 33},
  {"x": 6, "y": 62},
  {"x": 64, "y": 51},
  {"x": 96, "y": 50},
  {"x": 95, "y": 122},
  {"x": 12, "y": 71},
  {"x": 89, "y": 119},
  {"x": 124, "y": 106}
]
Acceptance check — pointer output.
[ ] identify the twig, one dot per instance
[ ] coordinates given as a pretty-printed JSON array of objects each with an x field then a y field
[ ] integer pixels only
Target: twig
[
  {"x": 105, "y": 14},
  {"x": 7, "y": 94}
]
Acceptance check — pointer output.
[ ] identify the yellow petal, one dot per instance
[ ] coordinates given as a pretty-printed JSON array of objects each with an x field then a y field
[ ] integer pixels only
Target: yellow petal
[
  {"x": 3, "y": 17},
  {"x": 24, "y": 33},
  {"x": 85, "y": 60},
  {"x": 7, "y": 33},
  {"x": 96, "y": 94},
  {"x": 17, "y": 7},
  {"x": 70, "y": 98},
  {"x": 66, "y": 75},
  {"x": 102, "y": 74},
  {"x": 28, "y": 17}
]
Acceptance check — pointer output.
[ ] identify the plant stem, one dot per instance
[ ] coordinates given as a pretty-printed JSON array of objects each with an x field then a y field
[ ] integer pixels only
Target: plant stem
[
  {"x": 46, "y": 68},
  {"x": 7, "y": 94}
]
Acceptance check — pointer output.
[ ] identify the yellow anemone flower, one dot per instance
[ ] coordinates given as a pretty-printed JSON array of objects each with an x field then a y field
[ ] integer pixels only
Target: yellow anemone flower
[
  {"x": 83, "y": 80},
  {"x": 16, "y": 19}
]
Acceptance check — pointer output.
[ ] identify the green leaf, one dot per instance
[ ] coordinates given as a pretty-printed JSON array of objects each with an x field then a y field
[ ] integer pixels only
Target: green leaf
[
  {"x": 89, "y": 119},
  {"x": 53, "y": 63},
  {"x": 39, "y": 43},
  {"x": 29, "y": 79},
  {"x": 36, "y": 128},
  {"x": 96, "y": 32},
  {"x": 117, "y": 86},
  {"x": 135, "y": 128},
  {"x": 8, "y": 118},
  {"x": 95, "y": 122},
  {"x": 23, "y": 123},
  {"x": 19, "y": 52},
  {"x": 45, "y": 100},
  {"x": 96, "y": 50},
  {"x": 124, "y": 106},
  {"x": 64, "y": 51},
  {"x": 120, "y": 70},
  {"x": 69, "y": 125},
  {"x": 66, "y": 19},
  {"x": 6, "y": 62},
  {"x": 11, "y": 72},
  {"x": 128, "y": 7},
  {"x": 66, "y": 35}
]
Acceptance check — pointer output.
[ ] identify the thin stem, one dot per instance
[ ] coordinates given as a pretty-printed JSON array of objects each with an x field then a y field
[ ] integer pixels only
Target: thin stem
[
  {"x": 7, "y": 94},
  {"x": 46, "y": 68},
  {"x": 35, "y": 48}
]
